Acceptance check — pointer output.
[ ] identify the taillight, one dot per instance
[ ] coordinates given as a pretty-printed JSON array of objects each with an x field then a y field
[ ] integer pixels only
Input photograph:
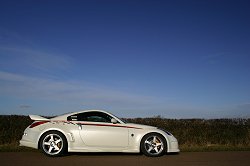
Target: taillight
[{"x": 34, "y": 124}]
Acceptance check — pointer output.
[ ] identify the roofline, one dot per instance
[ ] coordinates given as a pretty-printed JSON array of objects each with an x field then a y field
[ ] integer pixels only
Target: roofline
[{"x": 72, "y": 113}]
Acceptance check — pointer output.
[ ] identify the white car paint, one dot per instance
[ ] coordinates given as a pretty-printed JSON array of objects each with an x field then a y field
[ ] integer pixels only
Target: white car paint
[{"x": 89, "y": 136}]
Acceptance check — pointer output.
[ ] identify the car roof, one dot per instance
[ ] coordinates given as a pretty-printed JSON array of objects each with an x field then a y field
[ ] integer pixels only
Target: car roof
[{"x": 72, "y": 113}]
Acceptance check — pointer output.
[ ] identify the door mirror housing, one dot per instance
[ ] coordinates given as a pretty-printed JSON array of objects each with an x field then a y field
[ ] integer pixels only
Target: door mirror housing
[{"x": 113, "y": 120}]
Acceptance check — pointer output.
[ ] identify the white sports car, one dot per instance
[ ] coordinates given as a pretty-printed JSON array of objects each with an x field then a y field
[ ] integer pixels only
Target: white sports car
[{"x": 95, "y": 131}]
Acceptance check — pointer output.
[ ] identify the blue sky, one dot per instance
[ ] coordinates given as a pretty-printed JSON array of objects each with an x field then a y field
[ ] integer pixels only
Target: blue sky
[{"x": 177, "y": 59}]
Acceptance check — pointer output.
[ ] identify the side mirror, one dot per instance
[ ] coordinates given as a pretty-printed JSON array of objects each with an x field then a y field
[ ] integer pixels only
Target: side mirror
[{"x": 113, "y": 120}]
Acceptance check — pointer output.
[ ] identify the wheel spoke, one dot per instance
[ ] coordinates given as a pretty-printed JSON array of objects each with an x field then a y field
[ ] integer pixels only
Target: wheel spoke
[
  {"x": 155, "y": 139},
  {"x": 50, "y": 149},
  {"x": 46, "y": 143},
  {"x": 57, "y": 141},
  {"x": 150, "y": 149},
  {"x": 159, "y": 144},
  {"x": 156, "y": 149},
  {"x": 51, "y": 137},
  {"x": 56, "y": 148}
]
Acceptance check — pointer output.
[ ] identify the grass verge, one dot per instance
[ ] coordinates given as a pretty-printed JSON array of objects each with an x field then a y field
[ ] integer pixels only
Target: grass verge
[
  {"x": 213, "y": 148},
  {"x": 14, "y": 147}
]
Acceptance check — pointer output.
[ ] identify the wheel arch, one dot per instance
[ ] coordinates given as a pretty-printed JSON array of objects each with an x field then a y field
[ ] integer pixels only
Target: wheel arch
[
  {"x": 49, "y": 130},
  {"x": 155, "y": 132}
]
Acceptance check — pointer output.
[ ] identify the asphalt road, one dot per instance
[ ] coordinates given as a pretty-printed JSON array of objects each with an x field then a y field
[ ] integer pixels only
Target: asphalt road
[{"x": 77, "y": 159}]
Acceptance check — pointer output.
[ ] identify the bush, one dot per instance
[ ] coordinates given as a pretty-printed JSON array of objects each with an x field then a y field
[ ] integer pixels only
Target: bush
[
  {"x": 201, "y": 132},
  {"x": 189, "y": 132},
  {"x": 12, "y": 127}
]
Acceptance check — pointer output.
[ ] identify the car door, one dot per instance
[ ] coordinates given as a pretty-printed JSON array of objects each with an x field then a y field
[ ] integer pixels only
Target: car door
[{"x": 97, "y": 130}]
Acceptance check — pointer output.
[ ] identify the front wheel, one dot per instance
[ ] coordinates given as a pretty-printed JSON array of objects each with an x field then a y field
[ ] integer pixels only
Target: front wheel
[
  {"x": 53, "y": 143},
  {"x": 153, "y": 145}
]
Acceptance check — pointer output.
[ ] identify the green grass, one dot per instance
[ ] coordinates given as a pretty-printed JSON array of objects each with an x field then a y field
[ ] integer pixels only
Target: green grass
[{"x": 192, "y": 134}]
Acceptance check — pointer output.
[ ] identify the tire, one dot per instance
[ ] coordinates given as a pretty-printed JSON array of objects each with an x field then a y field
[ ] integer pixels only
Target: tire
[
  {"x": 153, "y": 145},
  {"x": 53, "y": 143}
]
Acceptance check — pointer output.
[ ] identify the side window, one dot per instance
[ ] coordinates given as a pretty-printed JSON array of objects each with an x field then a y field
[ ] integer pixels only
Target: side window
[
  {"x": 73, "y": 117},
  {"x": 91, "y": 117},
  {"x": 96, "y": 119}
]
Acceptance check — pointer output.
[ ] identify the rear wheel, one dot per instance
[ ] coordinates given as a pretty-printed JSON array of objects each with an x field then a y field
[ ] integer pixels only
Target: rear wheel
[
  {"x": 53, "y": 143},
  {"x": 153, "y": 145}
]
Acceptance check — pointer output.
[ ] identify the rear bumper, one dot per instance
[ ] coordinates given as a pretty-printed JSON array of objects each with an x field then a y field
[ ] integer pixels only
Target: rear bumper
[
  {"x": 28, "y": 144},
  {"x": 30, "y": 138}
]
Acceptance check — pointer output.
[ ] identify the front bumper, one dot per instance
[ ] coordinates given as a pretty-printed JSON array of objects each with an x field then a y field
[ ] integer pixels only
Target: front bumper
[{"x": 173, "y": 147}]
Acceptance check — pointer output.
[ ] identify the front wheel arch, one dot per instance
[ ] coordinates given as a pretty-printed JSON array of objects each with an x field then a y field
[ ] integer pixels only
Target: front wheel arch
[{"x": 161, "y": 139}]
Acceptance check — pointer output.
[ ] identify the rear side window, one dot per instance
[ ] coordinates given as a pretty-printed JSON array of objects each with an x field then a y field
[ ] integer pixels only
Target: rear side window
[{"x": 72, "y": 118}]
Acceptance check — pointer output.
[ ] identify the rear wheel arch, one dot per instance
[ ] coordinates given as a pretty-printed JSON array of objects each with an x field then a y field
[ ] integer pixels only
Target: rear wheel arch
[
  {"x": 58, "y": 133},
  {"x": 40, "y": 137}
]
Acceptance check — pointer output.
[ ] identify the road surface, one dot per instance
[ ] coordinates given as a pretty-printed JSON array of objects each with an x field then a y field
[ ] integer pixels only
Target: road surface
[{"x": 120, "y": 159}]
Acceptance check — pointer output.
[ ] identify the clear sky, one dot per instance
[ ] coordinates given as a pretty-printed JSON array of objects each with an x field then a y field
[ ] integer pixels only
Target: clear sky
[{"x": 134, "y": 58}]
